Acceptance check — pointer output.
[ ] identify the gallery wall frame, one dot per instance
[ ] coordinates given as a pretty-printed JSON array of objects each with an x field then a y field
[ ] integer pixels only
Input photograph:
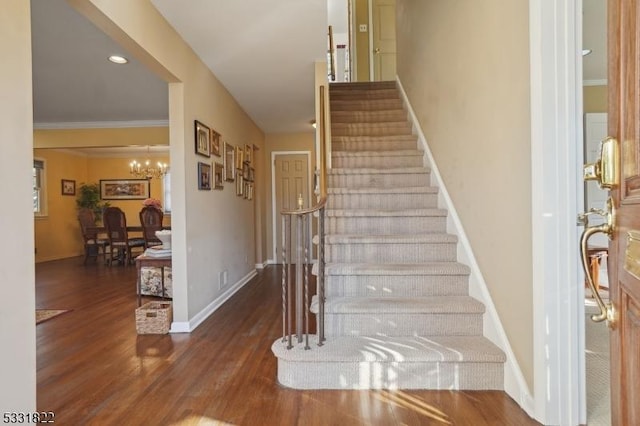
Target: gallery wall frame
[
  {"x": 229, "y": 162},
  {"x": 202, "y": 139},
  {"x": 204, "y": 176}
]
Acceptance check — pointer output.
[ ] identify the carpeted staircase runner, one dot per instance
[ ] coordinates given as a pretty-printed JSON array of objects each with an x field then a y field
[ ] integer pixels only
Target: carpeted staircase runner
[{"x": 398, "y": 312}]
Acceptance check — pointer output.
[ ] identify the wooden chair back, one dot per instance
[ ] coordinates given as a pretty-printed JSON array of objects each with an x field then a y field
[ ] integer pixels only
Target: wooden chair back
[{"x": 151, "y": 221}]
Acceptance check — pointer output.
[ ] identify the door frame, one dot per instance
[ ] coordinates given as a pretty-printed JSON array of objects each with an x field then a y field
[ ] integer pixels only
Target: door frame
[
  {"x": 555, "y": 30},
  {"x": 274, "y": 214}
]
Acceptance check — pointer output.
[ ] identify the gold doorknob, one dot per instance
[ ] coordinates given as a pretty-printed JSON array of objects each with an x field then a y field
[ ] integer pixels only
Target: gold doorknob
[
  {"x": 607, "y": 310},
  {"x": 377, "y": 51}
]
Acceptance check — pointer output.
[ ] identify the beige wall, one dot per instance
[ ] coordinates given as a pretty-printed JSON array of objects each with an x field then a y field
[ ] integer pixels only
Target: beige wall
[
  {"x": 17, "y": 278},
  {"x": 283, "y": 142},
  {"x": 213, "y": 231},
  {"x": 465, "y": 67},
  {"x": 594, "y": 99}
]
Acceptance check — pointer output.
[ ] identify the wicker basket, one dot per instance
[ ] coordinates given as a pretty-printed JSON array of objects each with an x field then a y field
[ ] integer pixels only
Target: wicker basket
[{"x": 154, "y": 318}]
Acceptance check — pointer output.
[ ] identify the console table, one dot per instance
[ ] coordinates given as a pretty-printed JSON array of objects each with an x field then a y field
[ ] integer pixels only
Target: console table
[{"x": 158, "y": 262}]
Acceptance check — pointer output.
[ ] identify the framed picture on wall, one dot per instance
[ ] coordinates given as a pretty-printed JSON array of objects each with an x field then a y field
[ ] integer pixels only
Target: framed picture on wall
[
  {"x": 203, "y": 136},
  {"x": 218, "y": 176},
  {"x": 239, "y": 157},
  {"x": 204, "y": 176},
  {"x": 248, "y": 154},
  {"x": 124, "y": 189},
  {"x": 215, "y": 143},
  {"x": 68, "y": 187},
  {"x": 229, "y": 162},
  {"x": 239, "y": 185}
]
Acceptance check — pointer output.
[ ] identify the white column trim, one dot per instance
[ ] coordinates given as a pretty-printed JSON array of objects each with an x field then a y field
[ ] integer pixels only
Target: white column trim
[{"x": 556, "y": 108}]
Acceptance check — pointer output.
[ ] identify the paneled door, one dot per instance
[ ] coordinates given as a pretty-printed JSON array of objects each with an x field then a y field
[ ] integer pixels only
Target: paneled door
[
  {"x": 624, "y": 267},
  {"x": 384, "y": 40},
  {"x": 291, "y": 182}
]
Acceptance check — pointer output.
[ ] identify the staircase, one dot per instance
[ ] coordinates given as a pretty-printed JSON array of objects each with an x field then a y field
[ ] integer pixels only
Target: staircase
[{"x": 398, "y": 314}]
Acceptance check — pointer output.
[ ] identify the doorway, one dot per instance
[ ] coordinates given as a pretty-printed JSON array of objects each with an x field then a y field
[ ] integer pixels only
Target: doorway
[{"x": 291, "y": 185}]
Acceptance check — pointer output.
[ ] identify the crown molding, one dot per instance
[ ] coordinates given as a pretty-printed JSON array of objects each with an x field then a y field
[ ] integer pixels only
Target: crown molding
[
  {"x": 602, "y": 82},
  {"x": 100, "y": 124}
]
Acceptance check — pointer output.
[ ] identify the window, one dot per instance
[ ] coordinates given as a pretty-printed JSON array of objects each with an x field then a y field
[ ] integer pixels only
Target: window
[
  {"x": 166, "y": 192},
  {"x": 39, "y": 188}
]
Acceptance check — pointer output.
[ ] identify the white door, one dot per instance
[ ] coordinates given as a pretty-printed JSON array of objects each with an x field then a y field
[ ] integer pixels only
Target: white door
[
  {"x": 384, "y": 40},
  {"x": 291, "y": 182}
]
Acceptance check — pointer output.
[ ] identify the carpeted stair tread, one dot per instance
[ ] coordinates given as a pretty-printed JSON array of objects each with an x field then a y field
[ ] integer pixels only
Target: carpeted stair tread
[
  {"x": 407, "y": 349},
  {"x": 396, "y": 153},
  {"x": 388, "y": 138},
  {"x": 387, "y": 269},
  {"x": 385, "y": 190},
  {"x": 384, "y": 171},
  {"x": 386, "y": 213},
  {"x": 417, "y": 238},
  {"x": 401, "y": 305}
]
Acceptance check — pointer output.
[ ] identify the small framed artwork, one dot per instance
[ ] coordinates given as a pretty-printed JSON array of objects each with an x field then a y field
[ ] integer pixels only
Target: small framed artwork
[
  {"x": 249, "y": 191},
  {"x": 218, "y": 176},
  {"x": 248, "y": 154},
  {"x": 215, "y": 143},
  {"x": 239, "y": 186},
  {"x": 203, "y": 136},
  {"x": 252, "y": 173},
  {"x": 68, "y": 187},
  {"x": 245, "y": 171},
  {"x": 239, "y": 157},
  {"x": 229, "y": 162},
  {"x": 204, "y": 176},
  {"x": 124, "y": 189}
]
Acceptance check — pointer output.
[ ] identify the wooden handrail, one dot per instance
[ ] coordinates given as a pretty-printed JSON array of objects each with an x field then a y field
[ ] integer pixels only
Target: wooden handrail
[{"x": 332, "y": 54}]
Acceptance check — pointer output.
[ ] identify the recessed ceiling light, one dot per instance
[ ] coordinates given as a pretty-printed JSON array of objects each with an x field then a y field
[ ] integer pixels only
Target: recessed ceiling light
[
  {"x": 118, "y": 59},
  {"x": 585, "y": 52}
]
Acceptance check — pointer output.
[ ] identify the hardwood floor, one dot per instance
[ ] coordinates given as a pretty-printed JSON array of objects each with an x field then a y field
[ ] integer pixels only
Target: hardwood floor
[{"x": 93, "y": 368}]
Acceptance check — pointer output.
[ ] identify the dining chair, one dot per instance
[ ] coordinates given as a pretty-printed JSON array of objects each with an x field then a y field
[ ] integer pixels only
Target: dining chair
[
  {"x": 93, "y": 246},
  {"x": 115, "y": 223},
  {"x": 151, "y": 221}
]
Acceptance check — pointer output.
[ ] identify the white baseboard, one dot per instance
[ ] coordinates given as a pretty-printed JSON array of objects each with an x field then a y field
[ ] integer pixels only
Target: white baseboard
[
  {"x": 187, "y": 327},
  {"x": 262, "y": 265},
  {"x": 514, "y": 383}
]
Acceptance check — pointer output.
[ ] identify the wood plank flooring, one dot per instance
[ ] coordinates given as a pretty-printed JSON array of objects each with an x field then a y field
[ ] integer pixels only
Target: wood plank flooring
[{"x": 93, "y": 368}]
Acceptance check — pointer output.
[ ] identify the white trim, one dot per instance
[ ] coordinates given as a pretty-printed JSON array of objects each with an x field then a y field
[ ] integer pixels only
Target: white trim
[
  {"x": 100, "y": 124},
  {"x": 261, "y": 265},
  {"x": 187, "y": 327},
  {"x": 556, "y": 129},
  {"x": 514, "y": 382},
  {"x": 595, "y": 82},
  {"x": 371, "y": 59},
  {"x": 275, "y": 214}
]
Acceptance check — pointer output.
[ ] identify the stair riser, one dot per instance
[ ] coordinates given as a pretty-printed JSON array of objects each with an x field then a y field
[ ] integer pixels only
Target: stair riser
[
  {"x": 361, "y": 85},
  {"x": 390, "y": 253},
  {"x": 385, "y": 225},
  {"x": 339, "y": 162},
  {"x": 398, "y": 324},
  {"x": 367, "y": 129},
  {"x": 369, "y": 180},
  {"x": 396, "y": 285},
  {"x": 382, "y": 201},
  {"x": 360, "y": 95},
  {"x": 372, "y": 145},
  {"x": 391, "y": 375},
  {"x": 367, "y": 105},
  {"x": 368, "y": 116}
]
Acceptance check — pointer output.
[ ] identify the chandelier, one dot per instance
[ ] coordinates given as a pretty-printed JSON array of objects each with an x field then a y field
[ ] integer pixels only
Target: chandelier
[{"x": 146, "y": 170}]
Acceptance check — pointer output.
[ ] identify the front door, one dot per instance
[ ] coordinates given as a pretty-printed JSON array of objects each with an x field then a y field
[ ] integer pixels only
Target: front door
[
  {"x": 624, "y": 270},
  {"x": 384, "y": 40}
]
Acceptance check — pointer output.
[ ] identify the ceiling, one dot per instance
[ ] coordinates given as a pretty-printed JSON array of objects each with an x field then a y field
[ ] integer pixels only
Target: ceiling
[{"x": 263, "y": 52}]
